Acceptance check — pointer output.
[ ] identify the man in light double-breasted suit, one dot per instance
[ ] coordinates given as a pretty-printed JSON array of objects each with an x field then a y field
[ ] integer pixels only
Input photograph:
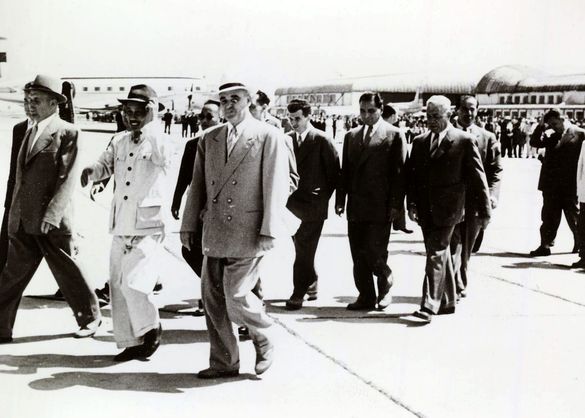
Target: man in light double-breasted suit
[
  {"x": 372, "y": 180},
  {"x": 238, "y": 193},
  {"x": 40, "y": 218}
]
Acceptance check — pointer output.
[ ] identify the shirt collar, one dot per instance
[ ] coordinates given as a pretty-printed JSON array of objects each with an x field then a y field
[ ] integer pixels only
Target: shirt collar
[
  {"x": 240, "y": 127},
  {"x": 374, "y": 127},
  {"x": 305, "y": 133},
  {"x": 42, "y": 125}
]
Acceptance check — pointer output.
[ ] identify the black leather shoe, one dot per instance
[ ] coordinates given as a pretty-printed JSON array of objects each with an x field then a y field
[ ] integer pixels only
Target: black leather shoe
[
  {"x": 217, "y": 374},
  {"x": 421, "y": 316},
  {"x": 359, "y": 305},
  {"x": 157, "y": 287},
  {"x": 103, "y": 295},
  {"x": 540, "y": 252},
  {"x": 312, "y": 291},
  {"x": 151, "y": 341},
  {"x": 446, "y": 311},
  {"x": 293, "y": 304},
  {"x": 244, "y": 333},
  {"x": 405, "y": 230},
  {"x": 5, "y": 340},
  {"x": 579, "y": 264},
  {"x": 130, "y": 353}
]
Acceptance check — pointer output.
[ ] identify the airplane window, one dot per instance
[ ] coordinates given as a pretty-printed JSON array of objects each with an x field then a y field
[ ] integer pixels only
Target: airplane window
[
  {"x": 109, "y": 89},
  {"x": 122, "y": 88},
  {"x": 96, "y": 89},
  {"x": 85, "y": 89}
]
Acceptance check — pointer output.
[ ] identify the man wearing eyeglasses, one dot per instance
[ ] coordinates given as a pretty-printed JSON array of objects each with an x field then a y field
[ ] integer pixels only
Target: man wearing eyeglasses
[{"x": 208, "y": 117}]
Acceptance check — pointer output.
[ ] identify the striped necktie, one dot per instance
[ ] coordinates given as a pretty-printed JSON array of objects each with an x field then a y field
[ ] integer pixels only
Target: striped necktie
[
  {"x": 231, "y": 140},
  {"x": 31, "y": 137},
  {"x": 368, "y": 136},
  {"x": 434, "y": 144}
]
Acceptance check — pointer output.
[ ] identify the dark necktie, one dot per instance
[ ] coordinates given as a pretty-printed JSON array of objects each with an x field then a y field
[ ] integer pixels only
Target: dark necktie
[
  {"x": 136, "y": 136},
  {"x": 297, "y": 144},
  {"x": 30, "y": 138},
  {"x": 434, "y": 144},
  {"x": 368, "y": 136}
]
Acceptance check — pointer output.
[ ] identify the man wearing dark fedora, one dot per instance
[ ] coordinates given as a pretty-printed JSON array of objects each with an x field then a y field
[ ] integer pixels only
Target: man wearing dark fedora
[
  {"x": 40, "y": 217},
  {"x": 138, "y": 159},
  {"x": 238, "y": 196}
]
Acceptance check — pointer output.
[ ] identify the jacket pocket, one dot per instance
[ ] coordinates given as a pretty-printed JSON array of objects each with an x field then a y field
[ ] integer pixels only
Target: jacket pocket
[{"x": 149, "y": 214}]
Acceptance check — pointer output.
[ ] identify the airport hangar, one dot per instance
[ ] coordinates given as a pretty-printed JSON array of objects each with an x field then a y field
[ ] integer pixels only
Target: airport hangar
[{"x": 509, "y": 90}]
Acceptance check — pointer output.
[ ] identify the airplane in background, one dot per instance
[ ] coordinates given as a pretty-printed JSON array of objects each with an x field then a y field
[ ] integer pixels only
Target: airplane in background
[
  {"x": 100, "y": 94},
  {"x": 407, "y": 108}
]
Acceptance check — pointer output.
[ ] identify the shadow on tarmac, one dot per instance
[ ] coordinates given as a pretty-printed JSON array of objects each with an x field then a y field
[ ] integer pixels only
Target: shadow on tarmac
[
  {"x": 31, "y": 302},
  {"x": 38, "y": 338},
  {"x": 30, "y": 364},
  {"x": 538, "y": 265},
  {"x": 132, "y": 382},
  {"x": 171, "y": 336}
]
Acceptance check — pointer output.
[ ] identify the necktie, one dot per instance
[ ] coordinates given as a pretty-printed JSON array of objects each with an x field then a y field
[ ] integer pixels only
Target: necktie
[
  {"x": 368, "y": 136},
  {"x": 31, "y": 137},
  {"x": 434, "y": 144},
  {"x": 297, "y": 144},
  {"x": 231, "y": 141}
]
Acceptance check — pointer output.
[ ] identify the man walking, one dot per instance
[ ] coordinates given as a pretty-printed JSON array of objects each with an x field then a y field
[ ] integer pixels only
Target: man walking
[{"x": 238, "y": 195}]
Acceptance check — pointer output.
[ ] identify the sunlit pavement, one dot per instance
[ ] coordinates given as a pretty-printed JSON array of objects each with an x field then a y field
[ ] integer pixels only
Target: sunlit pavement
[{"x": 512, "y": 349}]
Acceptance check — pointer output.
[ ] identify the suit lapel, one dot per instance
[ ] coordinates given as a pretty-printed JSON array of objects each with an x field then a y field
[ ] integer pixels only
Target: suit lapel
[
  {"x": 443, "y": 147},
  {"x": 375, "y": 140},
  {"x": 306, "y": 146},
  {"x": 44, "y": 140},
  {"x": 240, "y": 150}
]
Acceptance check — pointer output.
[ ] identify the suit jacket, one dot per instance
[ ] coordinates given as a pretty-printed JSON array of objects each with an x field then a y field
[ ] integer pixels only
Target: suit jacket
[
  {"x": 559, "y": 167},
  {"x": 439, "y": 186},
  {"x": 372, "y": 177},
  {"x": 240, "y": 198},
  {"x": 185, "y": 171},
  {"x": 45, "y": 180},
  {"x": 139, "y": 170},
  {"x": 318, "y": 167},
  {"x": 491, "y": 157},
  {"x": 18, "y": 133}
]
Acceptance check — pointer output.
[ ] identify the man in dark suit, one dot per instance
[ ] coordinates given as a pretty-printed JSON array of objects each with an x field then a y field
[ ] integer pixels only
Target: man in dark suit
[
  {"x": 558, "y": 177},
  {"x": 372, "y": 180},
  {"x": 468, "y": 232},
  {"x": 209, "y": 117},
  {"x": 238, "y": 195},
  {"x": 444, "y": 171},
  {"x": 39, "y": 223},
  {"x": 18, "y": 133},
  {"x": 318, "y": 168}
]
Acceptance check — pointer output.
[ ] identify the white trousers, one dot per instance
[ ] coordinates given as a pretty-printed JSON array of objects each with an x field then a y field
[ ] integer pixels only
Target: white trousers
[{"x": 134, "y": 271}]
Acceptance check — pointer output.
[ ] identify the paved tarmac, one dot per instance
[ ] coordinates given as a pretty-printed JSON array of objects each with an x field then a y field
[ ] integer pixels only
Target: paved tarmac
[{"x": 514, "y": 348}]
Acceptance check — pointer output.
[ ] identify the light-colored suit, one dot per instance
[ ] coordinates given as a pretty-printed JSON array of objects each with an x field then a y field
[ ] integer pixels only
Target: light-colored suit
[
  {"x": 45, "y": 180},
  {"x": 137, "y": 221},
  {"x": 239, "y": 200}
]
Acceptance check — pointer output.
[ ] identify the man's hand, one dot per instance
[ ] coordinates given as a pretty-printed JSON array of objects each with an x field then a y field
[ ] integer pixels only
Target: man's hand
[
  {"x": 187, "y": 239},
  {"x": 175, "y": 212},
  {"x": 95, "y": 189},
  {"x": 85, "y": 176},
  {"x": 265, "y": 242},
  {"x": 483, "y": 222},
  {"x": 413, "y": 214},
  {"x": 46, "y": 227},
  {"x": 339, "y": 210}
]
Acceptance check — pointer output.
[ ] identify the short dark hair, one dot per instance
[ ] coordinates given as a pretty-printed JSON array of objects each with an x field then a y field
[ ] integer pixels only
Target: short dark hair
[
  {"x": 299, "y": 104},
  {"x": 211, "y": 102},
  {"x": 388, "y": 111},
  {"x": 369, "y": 96},
  {"x": 262, "y": 98},
  {"x": 552, "y": 114},
  {"x": 463, "y": 98}
]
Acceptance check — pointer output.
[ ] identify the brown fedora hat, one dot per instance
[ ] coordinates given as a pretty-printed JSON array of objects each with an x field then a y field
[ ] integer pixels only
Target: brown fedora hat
[
  {"x": 141, "y": 93},
  {"x": 48, "y": 84}
]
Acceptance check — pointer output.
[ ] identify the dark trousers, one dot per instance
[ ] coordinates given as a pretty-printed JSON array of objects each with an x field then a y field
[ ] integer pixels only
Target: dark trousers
[
  {"x": 581, "y": 229},
  {"x": 462, "y": 243},
  {"x": 553, "y": 205},
  {"x": 439, "y": 289},
  {"x": 399, "y": 222},
  {"x": 306, "y": 240},
  {"x": 4, "y": 239},
  {"x": 368, "y": 242},
  {"x": 167, "y": 127},
  {"x": 25, "y": 253}
]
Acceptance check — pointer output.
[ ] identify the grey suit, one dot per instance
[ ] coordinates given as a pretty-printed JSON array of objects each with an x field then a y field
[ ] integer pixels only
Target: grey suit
[
  {"x": 45, "y": 179},
  {"x": 238, "y": 199}
]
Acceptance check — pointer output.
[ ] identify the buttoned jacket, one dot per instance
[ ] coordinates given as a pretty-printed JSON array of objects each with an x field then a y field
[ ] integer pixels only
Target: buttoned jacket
[
  {"x": 139, "y": 204},
  {"x": 241, "y": 197}
]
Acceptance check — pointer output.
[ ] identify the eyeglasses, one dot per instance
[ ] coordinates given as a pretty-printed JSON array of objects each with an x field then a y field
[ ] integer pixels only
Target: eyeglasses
[{"x": 207, "y": 116}]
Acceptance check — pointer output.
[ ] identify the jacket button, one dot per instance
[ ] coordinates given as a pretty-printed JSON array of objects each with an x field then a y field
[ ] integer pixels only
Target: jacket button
[
  {"x": 234, "y": 182},
  {"x": 214, "y": 200},
  {"x": 125, "y": 197},
  {"x": 229, "y": 218},
  {"x": 131, "y": 154},
  {"x": 212, "y": 182},
  {"x": 127, "y": 183},
  {"x": 129, "y": 168},
  {"x": 229, "y": 200}
]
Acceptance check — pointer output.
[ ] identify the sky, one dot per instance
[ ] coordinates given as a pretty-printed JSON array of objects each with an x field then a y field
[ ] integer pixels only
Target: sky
[{"x": 270, "y": 44}]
